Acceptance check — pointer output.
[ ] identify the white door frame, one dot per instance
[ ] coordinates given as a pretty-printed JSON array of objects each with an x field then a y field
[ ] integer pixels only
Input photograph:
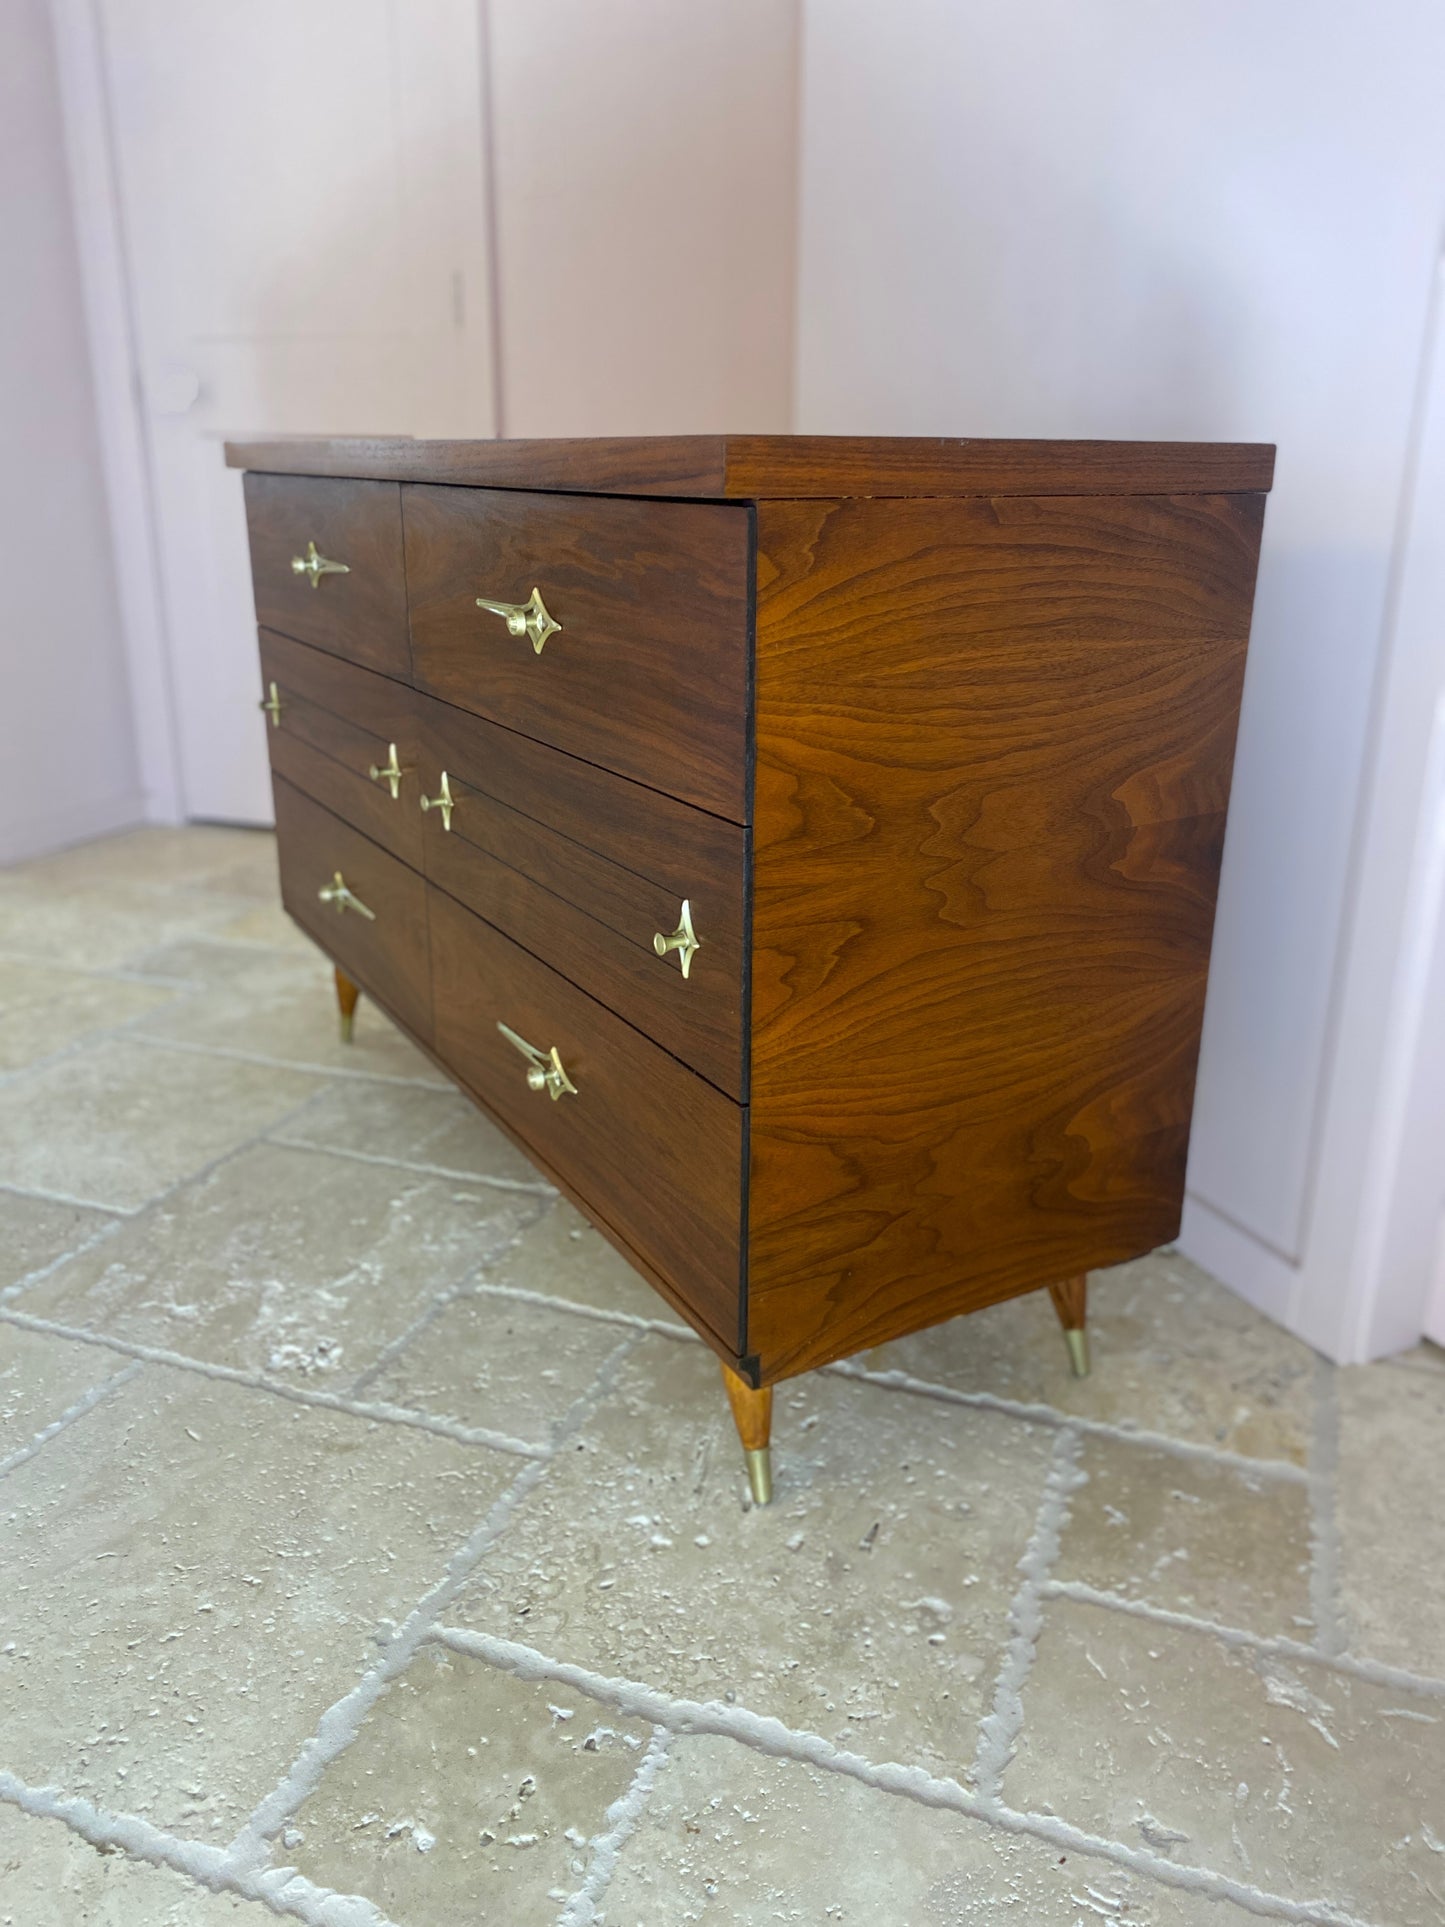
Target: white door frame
[
  {"x": 124, "y": 443},
  {"x": 1370, "y": 1257}
]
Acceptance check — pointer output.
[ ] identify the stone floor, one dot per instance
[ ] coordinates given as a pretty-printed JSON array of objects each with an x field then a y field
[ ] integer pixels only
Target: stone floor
[{"x": 376, "y": 1547}]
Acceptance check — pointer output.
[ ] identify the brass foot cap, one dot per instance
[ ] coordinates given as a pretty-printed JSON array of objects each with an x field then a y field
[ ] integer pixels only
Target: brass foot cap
[
  {"x": 760, "y": 1474},
  {"x": 348, "y": 1026},
  {"x": 1078, "y": 1344}
]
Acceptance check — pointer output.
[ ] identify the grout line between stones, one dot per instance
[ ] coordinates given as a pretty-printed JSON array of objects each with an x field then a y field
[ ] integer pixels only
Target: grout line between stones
[
  {"x": 41, "y": 1272},
  {"x": 1050, "y": 1415},
  {"x": 540, "y": 1189},
  {"x": 999, "y": 1730},
  {"x": 1373, "y": 1671},
  {"x": 341, "y": 1722},
  {"x": 622, "y": 1818},
  {"x": 461, "y": 1288},
  {"x": 600, "y": 1314},
  {"x": 282, "y": 1889},
  {"x": 1324, "y": 1460},
  {"x": 85, "y": 1403},
  {"x": 377, "y": 1411},
  {"x": 133, "y": 1213},
  {"x": 344, "y": 1072},
  {"x": 771, "y": 1737}
]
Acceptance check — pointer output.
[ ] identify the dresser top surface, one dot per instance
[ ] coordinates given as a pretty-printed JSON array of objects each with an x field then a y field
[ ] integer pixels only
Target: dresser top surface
[{"x": 778, "y": 467}]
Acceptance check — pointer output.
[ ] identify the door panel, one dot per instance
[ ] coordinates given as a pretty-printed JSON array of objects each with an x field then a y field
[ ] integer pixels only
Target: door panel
[{"x": 302, "y": 189}]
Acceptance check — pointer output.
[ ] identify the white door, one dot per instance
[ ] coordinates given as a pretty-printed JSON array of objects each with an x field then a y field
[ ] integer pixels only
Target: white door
[{"x": 303, "y": 197}]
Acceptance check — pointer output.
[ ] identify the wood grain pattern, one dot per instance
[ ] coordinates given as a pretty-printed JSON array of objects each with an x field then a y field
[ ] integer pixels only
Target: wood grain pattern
[
  {"x": 389, "y": 958},
  {"x": 649, "y": 675},
  {"x": 645, "y": 1143},
  {"x": 1071, "y": 1301},
  {"x": 337, "y": 723},
  {"x": 752, "y": 1410},
  {"x": 790, "y": 467},
  {"x": 594, "y": 923},
  {"x": 994, "y": 744},
  {"x": 360, "y": 615}
]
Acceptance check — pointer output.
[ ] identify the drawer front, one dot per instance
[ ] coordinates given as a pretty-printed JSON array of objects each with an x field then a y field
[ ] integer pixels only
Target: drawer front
[
  {"x": 360, "y": 614},
  {"x": 647, "y": 1146},
  {"x": 647, "y": 673},
  {"x": 386, "y": 952},
  {"x": 333, "y": 726},
  {"x": 584, "y": 870}
]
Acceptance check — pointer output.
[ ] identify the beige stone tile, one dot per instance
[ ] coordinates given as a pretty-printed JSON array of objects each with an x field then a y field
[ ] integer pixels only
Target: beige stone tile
[
  {"x": 1424, "y": 1357},
  {"x": 283, "y": 1261},
  {"x": 199, "y": 856},
  {"x": 489, "y": 1361},
  {"x": 1210, "y": 1540},
  {"x": 102, "y": 926},
  {"x": 267, "y": 924},
  {"x": 44, "y": 1009},
  {"x": 51, "y": 1877},
  {"x": 40, "y": 1379},
  {"x": 196, "y": 1571},
  {"x": 34, "y": 1232},
  {"x": 439, "y": 1128},
  {"x": 120, "y": 1122},
  {"x": 468, "y": 1794},
  {"x": 280, "y": 1007},
  {"x": 1285, "y": 1775},
  {"x": 565, "y": 1258},
  {"x": 733, "y": 1838},
  {"x": 1390, "y": 1516},
  {"x": 1173, "y": 1352},
  {"x": 868, "y": 1603}
]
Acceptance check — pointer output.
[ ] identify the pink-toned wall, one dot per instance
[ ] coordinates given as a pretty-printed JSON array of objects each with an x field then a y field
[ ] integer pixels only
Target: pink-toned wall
[
  {"x": 67, "y": 755},
  {"x": 645, "y": 187}
]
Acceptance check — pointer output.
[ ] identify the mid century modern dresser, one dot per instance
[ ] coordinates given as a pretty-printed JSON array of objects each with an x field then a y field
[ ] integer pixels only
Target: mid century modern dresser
[{"x": 805, "y": 848}]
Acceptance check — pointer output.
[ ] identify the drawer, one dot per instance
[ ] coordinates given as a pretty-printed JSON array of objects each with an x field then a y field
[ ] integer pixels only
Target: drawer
[
  {"x": 647, "y": 673},
  {"x": 334, "y": 726},
  {"x": 360, "y": 614},
  {"x": 584, "y": 869},
  {"x": 645, "y": 1145},
  {"x": 385, "y": 952}
]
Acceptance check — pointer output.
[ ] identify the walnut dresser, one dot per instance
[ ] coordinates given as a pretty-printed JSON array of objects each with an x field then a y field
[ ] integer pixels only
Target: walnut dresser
[{"x": 805, "y": 848}]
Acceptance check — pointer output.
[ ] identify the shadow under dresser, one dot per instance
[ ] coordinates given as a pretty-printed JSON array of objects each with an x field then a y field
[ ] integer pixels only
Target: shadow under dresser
[{"x": 805, "y": 848}]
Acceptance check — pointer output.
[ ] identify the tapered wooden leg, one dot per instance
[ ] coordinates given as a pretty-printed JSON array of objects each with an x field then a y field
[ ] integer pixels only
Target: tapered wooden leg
[
  {"x": 753, "y": 1416},
  {"x": 1071, "y": 1303},
  {"x": 346, "y": 996}
]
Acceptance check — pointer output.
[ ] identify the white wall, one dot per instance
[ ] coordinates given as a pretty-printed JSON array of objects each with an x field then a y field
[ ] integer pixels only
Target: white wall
[
  {"x": 645, "y": 183},
  {"x": 1209, "y": 219},
  {"x": 67, "y": 757}
]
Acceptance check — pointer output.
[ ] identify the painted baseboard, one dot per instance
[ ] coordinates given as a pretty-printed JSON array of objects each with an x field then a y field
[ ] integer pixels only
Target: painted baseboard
[
  {"x": 61, "y": 824},
  {"x": 1237, "y": 1258}
]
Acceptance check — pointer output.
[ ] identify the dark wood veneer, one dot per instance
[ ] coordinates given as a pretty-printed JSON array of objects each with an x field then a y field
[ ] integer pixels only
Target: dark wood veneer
[
  {"x": 648, "y": 676},
  {"x": 948, "y": 805},
  {"x": 994, "y": 747},
  {"x": 360, "y": 615},
  {"x": 388, "y": 958},
  {"x": 659, "y": 1148},
  {"x": 757, "y": 467}
]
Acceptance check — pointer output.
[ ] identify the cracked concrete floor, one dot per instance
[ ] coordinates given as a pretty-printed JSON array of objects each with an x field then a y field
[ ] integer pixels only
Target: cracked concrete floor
[{"x": 375, "y": 1544}]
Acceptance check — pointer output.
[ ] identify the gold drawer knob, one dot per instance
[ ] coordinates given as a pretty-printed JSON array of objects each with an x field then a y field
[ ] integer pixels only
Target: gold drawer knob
[
  {"x": 545, "y": 1072},
  {"x": 529, "y": 618},
  {"x": 273, "y": 705},
  {"x": 339, "y": 893},
  {"x": 390, "y": 772},
  {"x": 314, "y": 565},
  {"x": 684, "y": 940},
  {"x": 444, "y": 801}
]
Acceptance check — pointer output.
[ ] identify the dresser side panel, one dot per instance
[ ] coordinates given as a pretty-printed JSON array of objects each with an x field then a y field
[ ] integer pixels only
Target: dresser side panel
[{"x": 994, "y": 746}]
